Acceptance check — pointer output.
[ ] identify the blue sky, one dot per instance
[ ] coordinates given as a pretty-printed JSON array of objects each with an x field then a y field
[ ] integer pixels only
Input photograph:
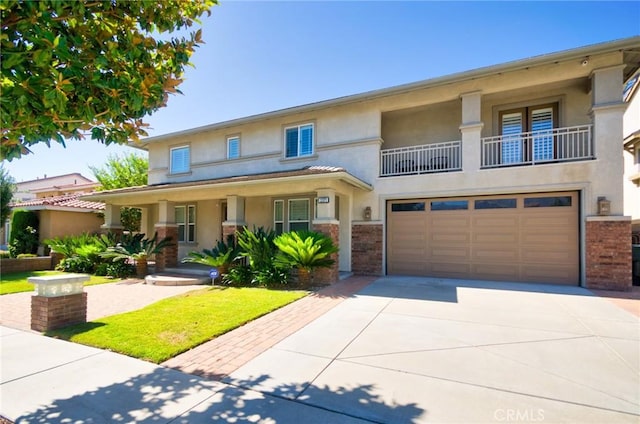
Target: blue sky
[{"x": 261, "y": 56}]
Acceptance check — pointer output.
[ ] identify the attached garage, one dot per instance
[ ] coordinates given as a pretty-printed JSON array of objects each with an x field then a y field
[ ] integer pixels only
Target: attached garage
[{"x": 523, "y": 237}]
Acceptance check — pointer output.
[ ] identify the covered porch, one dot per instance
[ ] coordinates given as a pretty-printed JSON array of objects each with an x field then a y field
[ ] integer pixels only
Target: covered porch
[{"x": 199, "y": 213}]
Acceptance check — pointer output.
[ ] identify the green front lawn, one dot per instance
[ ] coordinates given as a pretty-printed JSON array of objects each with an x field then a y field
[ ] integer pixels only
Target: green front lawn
[
  {"x": 16, "y": 282},
  {"x": 175, "y": 325}
]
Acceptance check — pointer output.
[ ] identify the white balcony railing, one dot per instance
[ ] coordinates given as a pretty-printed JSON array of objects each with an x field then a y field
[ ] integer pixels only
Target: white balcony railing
[
  {"x": 423, "y": 159},
  {"x": 556, "y": 145}
]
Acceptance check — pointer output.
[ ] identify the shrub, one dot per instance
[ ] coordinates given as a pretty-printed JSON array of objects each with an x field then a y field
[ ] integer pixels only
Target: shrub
[
  {"x": 239, "y": 275},
  {"x": 27, "y": 255},
  {"x": 20, "y": 220},
  {"x": 304, "y": 250},
  {"x": 24, "y": 242},
  {"x": 257, "y": 246}
]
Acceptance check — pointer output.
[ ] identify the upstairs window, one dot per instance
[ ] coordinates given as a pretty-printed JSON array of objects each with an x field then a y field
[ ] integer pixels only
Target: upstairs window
[
  {"x": 539, "y": 121},
  {"x": 298, "y": 141},
  {"x": 233, "y": 147},
  {"x": 180, "y": 160}
]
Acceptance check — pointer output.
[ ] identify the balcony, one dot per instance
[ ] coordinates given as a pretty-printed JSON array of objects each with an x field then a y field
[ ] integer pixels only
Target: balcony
[
  {"x": 531, "y": 148},
  {"x": 423, "y": 159}
]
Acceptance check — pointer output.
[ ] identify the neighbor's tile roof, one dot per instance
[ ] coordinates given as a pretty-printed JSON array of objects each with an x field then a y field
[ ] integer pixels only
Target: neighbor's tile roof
[{"x": 64, "y": 201}]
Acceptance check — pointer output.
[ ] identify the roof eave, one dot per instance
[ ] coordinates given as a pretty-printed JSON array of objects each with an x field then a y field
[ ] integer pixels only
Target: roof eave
[{"x": 579, "y": 52}]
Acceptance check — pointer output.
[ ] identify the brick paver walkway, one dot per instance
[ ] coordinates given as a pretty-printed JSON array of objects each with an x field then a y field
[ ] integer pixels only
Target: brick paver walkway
[
  {"x": 221, "y": 356},
  {"x": 102, "y": 301}
]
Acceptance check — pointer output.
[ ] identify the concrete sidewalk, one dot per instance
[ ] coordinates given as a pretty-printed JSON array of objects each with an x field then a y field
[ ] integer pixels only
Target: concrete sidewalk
[{"x": 45, "y": 380}]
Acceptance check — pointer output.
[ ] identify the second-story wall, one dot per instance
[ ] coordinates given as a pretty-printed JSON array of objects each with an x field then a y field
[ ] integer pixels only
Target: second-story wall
[{"x": 262, "y": 145}]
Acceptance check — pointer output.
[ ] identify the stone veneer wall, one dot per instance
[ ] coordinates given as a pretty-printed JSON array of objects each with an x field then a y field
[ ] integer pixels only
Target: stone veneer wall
[
  {"x": 230, "y": 230},
  {"x": 168, "y": 258},
  {"x": 325, "y": 276},
  {"x": 366, "y": 249},
  {"x": 608, "y": 252}
]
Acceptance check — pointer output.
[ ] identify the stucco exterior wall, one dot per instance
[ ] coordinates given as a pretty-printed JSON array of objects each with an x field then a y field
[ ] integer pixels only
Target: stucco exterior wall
[
  {"x": 63, "y": 223},
  {"x": 423, "y": 125},
  {"x": 263, "y": 140}
]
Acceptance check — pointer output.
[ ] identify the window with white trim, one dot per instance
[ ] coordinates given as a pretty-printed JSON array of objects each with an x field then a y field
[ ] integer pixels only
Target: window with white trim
[
  {"x": 180, "y": 160},
  {"x": 186, "y": 222},
  {"x": 298, "y": 141},
  {"x": 295, "y": 217},
  {"x": 233, "y": 147}
]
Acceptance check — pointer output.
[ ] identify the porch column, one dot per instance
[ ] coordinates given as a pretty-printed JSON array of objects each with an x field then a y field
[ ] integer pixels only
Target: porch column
[
  {"x": 327, "y": 224},
  {"x": 112, "y": 223},
  {"x": 471, "y": 130},
  {"x": 235, "y": 217},
  {"x": 167, "y": 227},
  {"x": 608, "y": 232}
]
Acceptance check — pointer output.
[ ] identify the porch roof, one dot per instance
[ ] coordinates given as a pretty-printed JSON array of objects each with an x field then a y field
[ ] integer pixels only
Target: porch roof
[
  {"x": 68, "y": 202},
  {"x": 310, "y": 172}
]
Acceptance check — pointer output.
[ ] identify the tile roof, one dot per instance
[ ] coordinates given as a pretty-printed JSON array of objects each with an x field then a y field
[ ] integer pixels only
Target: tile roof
[{"x": 64, "y": 201}]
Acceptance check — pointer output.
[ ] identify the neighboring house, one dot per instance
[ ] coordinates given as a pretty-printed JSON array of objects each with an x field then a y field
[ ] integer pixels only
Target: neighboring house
[
  {"x": 511, "y": 172},
  {"x": 632, "y": 154},
  {"x": 57, "y": 202},
  {"x": 47, "y": 186}
]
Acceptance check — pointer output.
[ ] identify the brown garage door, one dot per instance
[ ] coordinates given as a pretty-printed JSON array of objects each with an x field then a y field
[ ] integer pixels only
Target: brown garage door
[{"x": 524, "y": 237}]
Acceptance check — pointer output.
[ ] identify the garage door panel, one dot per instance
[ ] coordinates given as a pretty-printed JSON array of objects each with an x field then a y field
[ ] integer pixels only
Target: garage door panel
[
  {"x": 529, "y": 244},
  {"x": 449, "y": 253},
  {"x": 496, "y": 255},
  {"x": 558, "y": 274},
  {"x": 507, "y": 220},
  {"x": 451, "y": 270},
  {"x": 548, "y": 239},
  {"x": 502, "y": 272},
  {"x": 544, "y": 257},
  {"x": 450, "y": 225}
]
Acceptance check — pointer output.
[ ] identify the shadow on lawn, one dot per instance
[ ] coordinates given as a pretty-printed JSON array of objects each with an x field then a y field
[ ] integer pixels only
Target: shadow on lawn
[
  {"x": 165, "y": 395},
  {"x": 66, "y": 333}
]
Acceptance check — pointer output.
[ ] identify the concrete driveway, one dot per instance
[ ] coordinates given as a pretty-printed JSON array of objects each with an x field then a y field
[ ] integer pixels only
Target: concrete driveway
[{"x": 417, "y": 350}]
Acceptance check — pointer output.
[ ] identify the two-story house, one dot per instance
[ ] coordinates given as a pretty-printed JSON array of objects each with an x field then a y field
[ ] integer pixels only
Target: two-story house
[{"x": 512, "y": 172}]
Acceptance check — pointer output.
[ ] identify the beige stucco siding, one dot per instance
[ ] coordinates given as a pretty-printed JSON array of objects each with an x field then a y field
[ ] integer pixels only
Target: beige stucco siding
[
  {"x": 263, "y": 140},
  {"x": 65, "y": 223},
  {"x": 423, "y": 125}
]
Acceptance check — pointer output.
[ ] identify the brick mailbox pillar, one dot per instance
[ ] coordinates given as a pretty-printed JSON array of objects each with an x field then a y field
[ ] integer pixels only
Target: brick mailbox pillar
[{"x": 59, "y": 301}]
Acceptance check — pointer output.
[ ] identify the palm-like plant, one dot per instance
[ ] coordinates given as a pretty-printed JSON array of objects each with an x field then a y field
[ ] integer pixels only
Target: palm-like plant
[
  {"x": 304, "y": 250},
  {"x": 257, "y": 246},
  {"x": 221, "y": 256},
  {"x": 138, "y": 249}
]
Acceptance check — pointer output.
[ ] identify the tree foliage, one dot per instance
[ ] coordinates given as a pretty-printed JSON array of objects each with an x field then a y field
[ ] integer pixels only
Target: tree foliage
[
  {"x": 7, "y": 187},
  {"x": 128, "y": 170},
  {"x": 72, "y": 69}
]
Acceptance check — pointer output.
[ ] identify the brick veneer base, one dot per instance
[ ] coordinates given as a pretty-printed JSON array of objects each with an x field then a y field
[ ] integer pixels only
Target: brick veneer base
[
  {"x": 366, "y": 249},
  {"x": 608, "y": 251},
  {"x": 50, "y": 313},
  {"x": 325, "y": 276},
  {"x": 41, "y": 263},
  {"x": 168, "y": 257},
  {"x": 230, "y": 230}
]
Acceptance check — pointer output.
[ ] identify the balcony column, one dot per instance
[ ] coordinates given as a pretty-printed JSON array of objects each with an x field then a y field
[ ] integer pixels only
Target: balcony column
[
  {"x": 235, "y": 216},
  {"x": 471, "y": 130},
  {"x": 112, "y": 223},
  {"x": 167, "y": 227}
]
